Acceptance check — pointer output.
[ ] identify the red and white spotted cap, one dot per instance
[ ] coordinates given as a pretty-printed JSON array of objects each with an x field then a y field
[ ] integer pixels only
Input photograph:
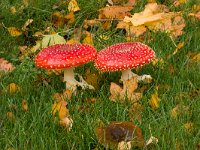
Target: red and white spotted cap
[
  {"x": 124, "y": 56},
  {"x": 65, "y": 56}
]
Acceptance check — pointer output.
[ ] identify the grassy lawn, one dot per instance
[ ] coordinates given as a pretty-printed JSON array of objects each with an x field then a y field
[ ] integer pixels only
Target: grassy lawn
[{"x": 177, "y": 79}]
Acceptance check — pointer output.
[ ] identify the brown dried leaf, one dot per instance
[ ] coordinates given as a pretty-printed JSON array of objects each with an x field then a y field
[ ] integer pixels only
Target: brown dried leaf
[
  {"x": 6, "y": 66},
  {"x": 66, "y": 122},
  {"x": 91, "y": 23},
  {"x": 57, "y": 19},
  {"x": 156, "y": 17},
  {"x": 114, "y": 12},
  {"x": 69, "y": 18},
  {"x": 115, "y": 91},
  {"x": 117, "y": 132}
]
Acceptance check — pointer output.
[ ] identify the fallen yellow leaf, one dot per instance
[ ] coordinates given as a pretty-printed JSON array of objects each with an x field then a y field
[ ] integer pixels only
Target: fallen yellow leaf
[
  {"x": 189, "y": 126},
  {"x": 88, "y": 39},
  {"x": 61, "y": 109},
  {"x": 12, "y": 88},
  {"x": 13, "y": 10},
  {"x": 10, "y": 116},
  {"x": 69, "y": 18},
  {"x": 154, "y": 102},
  {"x": 24, "y": 105},
  {"x": 73, "y": 6},
  {"x": 13, "y": 31}
]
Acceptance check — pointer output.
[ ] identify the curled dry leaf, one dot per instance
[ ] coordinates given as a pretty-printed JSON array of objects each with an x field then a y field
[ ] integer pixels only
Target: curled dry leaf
[
  {"x": 128, "y": 91},
  {"x": 6, "y": 66},
  {"x": 117, "y": 132},
  {"x": 26, "y": 24},
  {"x": 114, "y": 12}
]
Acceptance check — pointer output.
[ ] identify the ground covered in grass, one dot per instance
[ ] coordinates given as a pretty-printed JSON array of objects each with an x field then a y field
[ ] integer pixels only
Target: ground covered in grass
[{"x": 26, "y": 92}]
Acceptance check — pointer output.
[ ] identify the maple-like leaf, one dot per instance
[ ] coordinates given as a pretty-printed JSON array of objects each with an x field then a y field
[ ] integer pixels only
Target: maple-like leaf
[
  {"x": 128, "y": 91},
  {"x": 158, "y": 18}
]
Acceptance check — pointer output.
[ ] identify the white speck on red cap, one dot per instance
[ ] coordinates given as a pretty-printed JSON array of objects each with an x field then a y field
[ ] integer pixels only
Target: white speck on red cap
[
  {"x": 124, "y": 56},
  {"x": 65, "y": 56}
]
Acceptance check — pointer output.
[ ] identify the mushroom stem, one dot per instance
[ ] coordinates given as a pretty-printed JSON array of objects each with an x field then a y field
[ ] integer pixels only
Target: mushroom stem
[
  {"x": 69, "y": 79},
  {"x": 71, "y": 82},
  {"x": 128, "y": 74}
]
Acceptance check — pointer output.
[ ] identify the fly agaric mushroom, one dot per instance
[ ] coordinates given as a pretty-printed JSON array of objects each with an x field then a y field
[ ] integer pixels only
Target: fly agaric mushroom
[
  {"x": 67, "y": 56},
  {"x": 123, "y": 57}
]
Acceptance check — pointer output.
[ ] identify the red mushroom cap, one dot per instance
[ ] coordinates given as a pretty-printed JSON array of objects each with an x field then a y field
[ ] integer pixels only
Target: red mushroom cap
[
  {"x": 65, "y": 56},
  {"x": 124, "y": 56}
]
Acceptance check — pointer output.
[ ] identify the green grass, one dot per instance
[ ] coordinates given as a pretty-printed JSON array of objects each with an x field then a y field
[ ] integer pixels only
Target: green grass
[{"x": 36, "y": 128}]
